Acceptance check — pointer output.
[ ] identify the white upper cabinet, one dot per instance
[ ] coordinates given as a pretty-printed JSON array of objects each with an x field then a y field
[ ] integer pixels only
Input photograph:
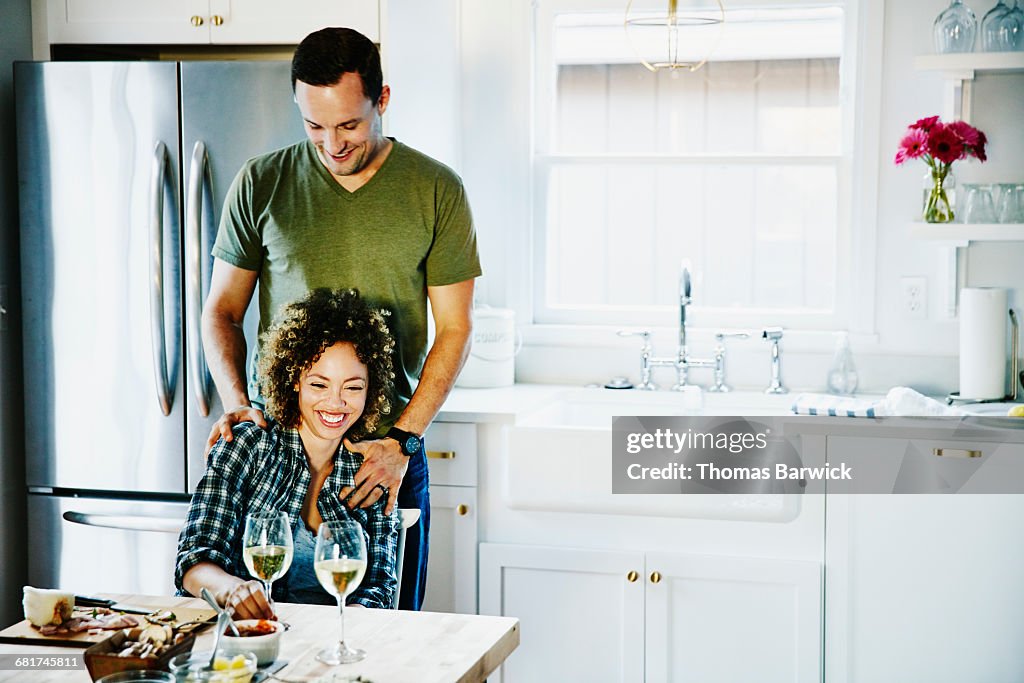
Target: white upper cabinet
[{"x": 204, "y": 22}]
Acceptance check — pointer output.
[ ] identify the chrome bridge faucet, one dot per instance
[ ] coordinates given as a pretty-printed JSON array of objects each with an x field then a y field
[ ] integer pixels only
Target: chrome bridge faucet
[{"x": 682, "y": 361}]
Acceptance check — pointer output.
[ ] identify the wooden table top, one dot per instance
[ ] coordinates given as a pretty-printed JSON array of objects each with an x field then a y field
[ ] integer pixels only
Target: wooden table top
[{"x": 400, "y": 646}]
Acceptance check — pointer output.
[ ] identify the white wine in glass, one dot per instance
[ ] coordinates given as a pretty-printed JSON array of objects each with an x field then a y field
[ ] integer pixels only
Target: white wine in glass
[
  {"x": 267, "y": 548},
  {"x": 340, "y": 562}
]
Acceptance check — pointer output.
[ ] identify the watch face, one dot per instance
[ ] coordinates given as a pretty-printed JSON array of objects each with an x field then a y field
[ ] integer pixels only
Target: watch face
[{"x": 412, "y": 445}]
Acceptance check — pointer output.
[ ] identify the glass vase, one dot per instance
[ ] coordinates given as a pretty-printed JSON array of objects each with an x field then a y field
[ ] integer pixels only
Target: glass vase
[
  {"x": 955, "y": 28},
  {"x": 939, "y": 188}
]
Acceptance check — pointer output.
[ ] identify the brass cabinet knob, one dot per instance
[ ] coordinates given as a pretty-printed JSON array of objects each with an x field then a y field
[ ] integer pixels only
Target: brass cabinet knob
[
  {"x": 462, "y": 510},
  {"x": 196, "y": 20},
  {"x": 632, "y": 577},
  {"x": 655, "y": 577},
  {"x": 216, "y": 20}
]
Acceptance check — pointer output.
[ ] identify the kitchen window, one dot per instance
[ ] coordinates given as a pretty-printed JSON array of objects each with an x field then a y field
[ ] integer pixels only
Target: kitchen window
[{"x": 742, "y": 167}]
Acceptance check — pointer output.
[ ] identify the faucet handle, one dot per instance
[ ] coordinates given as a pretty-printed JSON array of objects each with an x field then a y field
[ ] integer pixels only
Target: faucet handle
[
  {"x": 719, "y": 385},
  {"x": 772, "y": 333},
  {"x": 645, "y": 334},
  {"x": 722, "y": 336}
]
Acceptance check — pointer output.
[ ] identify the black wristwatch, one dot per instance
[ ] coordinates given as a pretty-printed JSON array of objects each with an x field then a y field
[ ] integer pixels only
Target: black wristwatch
[{"x": 411, "y": 443}]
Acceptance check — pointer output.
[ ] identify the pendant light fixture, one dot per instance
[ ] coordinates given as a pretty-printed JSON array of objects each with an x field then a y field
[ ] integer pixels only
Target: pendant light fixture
[{"x": 677, "y": 39}]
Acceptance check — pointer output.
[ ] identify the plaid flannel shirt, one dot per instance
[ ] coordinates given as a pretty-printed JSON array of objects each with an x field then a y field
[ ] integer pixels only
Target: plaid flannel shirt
[{"x": 266, "y": 470}]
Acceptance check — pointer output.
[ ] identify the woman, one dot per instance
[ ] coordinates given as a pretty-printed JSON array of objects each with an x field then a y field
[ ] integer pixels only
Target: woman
[{"x": 326, "y": 373}]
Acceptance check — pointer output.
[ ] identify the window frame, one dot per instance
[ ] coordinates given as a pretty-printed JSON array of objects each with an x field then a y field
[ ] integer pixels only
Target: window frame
[{"x": 856, "y": 166}]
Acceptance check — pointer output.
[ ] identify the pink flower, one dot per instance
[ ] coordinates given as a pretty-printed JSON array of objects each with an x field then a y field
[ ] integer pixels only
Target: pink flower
[
  {"x": 937, "y": 143},
  {"x": 912, "y": 145},
  {"x": 925, "y": 124},
  {"x": 966, "y": 132},
  {"x": 979, "y": 149},
  {"x": 944, "y": 145}
]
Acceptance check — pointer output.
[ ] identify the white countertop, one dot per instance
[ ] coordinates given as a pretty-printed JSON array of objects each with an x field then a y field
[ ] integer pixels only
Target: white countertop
[{"x": 500, "y": 405}]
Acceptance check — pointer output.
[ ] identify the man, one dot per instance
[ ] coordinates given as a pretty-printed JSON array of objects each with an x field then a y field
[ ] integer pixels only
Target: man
[{"x": 351, "y": 208}]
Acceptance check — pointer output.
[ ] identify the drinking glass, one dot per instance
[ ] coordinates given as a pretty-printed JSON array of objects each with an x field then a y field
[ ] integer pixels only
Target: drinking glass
[
  {"x": 955, "y": 28},
  {"x": 980, "y": 208},
  {"x": 340, "y": 562},
  {"x": 267, "y": 547},
  {"x": 996, "y": 29},
  {"x": 1011, "y": 204}
]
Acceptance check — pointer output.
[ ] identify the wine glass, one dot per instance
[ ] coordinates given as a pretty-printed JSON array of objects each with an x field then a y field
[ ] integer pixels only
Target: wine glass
[
  {"x": 340, "y": 562},
  {"x": 267, "y": 548}
]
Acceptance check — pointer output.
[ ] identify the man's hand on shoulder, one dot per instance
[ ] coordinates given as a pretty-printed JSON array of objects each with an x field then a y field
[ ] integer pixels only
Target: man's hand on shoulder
[
  {"x": 383, "y": 469},
  {"x": 222, "y": 427}
]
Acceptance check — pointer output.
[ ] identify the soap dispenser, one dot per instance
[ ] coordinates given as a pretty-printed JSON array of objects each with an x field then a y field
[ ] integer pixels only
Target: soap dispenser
[{"x": 842, "y": 376}]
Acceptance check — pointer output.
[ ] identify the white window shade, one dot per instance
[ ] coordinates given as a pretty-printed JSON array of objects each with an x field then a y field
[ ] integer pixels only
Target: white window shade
[{"x": 751, "y": 34}]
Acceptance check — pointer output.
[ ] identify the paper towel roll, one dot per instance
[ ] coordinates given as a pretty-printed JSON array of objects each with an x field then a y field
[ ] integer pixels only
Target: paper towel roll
[{"x": 983, "y": 315}]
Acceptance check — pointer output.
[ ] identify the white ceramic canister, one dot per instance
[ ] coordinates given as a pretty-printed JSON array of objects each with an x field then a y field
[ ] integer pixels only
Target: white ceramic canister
[{"x": 492, "y": 355}]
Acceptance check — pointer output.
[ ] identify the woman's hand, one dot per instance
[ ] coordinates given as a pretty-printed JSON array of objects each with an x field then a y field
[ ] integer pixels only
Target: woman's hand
[
  {"x": 222, "y": 427},
  {"x": 246, "y": 600}
]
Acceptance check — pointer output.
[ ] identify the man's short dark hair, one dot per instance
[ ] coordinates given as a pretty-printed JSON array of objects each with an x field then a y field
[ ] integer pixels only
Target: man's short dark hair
[{"x": 323, "y": 56}]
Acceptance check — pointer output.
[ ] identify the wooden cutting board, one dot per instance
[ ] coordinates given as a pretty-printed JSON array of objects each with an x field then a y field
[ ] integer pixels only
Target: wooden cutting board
[{"x": 24, "y": 633}]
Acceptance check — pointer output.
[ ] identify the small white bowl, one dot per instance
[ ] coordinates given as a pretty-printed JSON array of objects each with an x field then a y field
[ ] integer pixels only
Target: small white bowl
[{"x": 266, "y": 647}]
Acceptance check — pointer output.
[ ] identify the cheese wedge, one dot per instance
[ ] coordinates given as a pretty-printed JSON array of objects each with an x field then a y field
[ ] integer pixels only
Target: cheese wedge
[{"x": 47, "y": 606}]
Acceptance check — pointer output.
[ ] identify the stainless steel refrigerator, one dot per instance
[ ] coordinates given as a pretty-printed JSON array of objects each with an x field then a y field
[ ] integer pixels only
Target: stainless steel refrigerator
[{"x": 123, "y": 168}]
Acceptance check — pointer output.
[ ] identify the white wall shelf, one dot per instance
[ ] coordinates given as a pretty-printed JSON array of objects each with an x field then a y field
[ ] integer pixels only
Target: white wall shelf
[
  {"x": 985, "y": 62},
  {"x": 962, "y": 234},
  {"x": 958, "y": 71}
]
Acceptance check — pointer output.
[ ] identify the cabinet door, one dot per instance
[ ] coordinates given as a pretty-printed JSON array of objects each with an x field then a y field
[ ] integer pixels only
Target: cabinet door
[
  {"x": 716, "y": 618},
  {"x": 581, "y": 611},
  {"x": 451, "y": 566},
  {"x": 128, "y": 21},
  {"x": 273, "y": 22},
  {"x": 451, "y": 453},
  {"x": 926, "y": 587}
]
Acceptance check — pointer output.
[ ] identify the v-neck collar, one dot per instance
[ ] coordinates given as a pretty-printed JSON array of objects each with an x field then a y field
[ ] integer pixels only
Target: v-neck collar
[{"x": 328, "y": 177}]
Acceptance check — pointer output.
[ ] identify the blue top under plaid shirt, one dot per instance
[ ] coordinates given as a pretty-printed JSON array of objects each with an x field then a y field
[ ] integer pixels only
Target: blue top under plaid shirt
[{"x": 266, "y": 470}]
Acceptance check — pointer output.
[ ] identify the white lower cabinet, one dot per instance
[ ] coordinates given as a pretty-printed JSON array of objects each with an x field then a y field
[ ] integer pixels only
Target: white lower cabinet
[
  {"x": 451, "y": 565},
  {"x": 603, "y": 615},
  {"x": 452, "y": 561},
  {"x": 927, "y": 588}
]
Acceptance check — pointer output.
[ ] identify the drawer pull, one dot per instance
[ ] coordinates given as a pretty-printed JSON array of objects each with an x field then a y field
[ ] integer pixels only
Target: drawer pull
[
  {"x": 217, "y": 20},
  {"x": 462, "y": 510},
  {"x": 632, "y": 577},
  {"x": 956, "y": 453},
  {"x": 196, "y": 20},
  {"x": 441, "y": 455},
  {"x": 655, "y": 577}
]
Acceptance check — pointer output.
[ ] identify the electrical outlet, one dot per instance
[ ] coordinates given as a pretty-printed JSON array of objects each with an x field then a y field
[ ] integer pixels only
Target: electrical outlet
[{"x": 914, "y": 297}]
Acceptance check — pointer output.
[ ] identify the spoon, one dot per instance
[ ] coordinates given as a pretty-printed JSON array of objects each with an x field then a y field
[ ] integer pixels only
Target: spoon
[
  {"x": 208, "y": 596},
  {"x": 222, "y": 620}
]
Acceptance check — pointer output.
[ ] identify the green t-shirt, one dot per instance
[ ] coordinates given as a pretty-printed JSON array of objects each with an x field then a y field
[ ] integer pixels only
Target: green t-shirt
[{"x": 410, "y": 226}]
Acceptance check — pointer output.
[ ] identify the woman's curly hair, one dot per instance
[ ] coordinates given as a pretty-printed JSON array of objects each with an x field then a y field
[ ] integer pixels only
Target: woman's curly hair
[{"x": 306, "y": 329}]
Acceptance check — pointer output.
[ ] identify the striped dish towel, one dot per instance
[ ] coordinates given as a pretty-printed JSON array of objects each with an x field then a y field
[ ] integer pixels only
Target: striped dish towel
[{"x": 838, "y": 406}]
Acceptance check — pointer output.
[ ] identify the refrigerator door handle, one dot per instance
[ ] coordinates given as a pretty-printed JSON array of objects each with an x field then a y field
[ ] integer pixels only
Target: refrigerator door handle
[
  {"x": 199, "y": 178},
  {"x": 166, "y": 525},
  {"x": 156, "y": 278}
]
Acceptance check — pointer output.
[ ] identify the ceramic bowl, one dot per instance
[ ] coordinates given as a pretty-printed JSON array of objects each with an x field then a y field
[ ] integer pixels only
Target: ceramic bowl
[
  {"x": 265, "y": 647},
  {"x": 194, "y": 667}
]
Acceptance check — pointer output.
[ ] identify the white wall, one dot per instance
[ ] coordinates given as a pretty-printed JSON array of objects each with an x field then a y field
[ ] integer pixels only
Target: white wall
[{"x": 493, "y": 69}]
